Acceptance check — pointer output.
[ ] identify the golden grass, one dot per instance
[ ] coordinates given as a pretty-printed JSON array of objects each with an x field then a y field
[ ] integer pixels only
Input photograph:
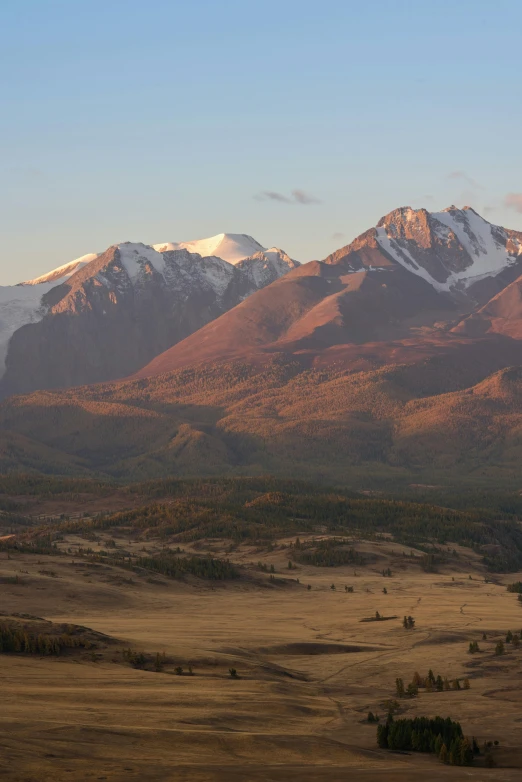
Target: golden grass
[{"x": 310, "y": 671}]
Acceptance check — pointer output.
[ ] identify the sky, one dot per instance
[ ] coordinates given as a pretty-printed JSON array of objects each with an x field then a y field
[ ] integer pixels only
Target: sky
[{"x": 298, "y": 122}]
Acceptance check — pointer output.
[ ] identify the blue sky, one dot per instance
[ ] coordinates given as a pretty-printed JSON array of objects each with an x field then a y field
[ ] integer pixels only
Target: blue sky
[{"x": 168, "y": 121}]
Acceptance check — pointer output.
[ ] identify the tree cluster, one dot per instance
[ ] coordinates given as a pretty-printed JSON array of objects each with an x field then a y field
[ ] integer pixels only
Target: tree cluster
[
  {"x": 430, "y": 683},
  {"x": 329, "y": 552},
  {"x": 18, "y": 640},
  {"x": 438, "y": 736},
  {"x": 173, "y": 566}
]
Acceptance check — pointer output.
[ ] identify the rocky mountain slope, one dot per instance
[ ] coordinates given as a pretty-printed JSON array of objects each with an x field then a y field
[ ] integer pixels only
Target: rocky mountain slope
[
  {"x": 103, "y": 317},
  {"x": 412, "y": 278},
  {"x": 397, "y": 359},
  {"x": 456, "y": 251}
]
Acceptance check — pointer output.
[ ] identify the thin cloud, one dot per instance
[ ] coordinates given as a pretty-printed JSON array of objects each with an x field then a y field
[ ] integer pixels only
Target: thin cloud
[
  {"x": 297, "y": 197},
  {"x": 489, "y": 209},
  {"x": 270, "y": 195},
  {"x": 300, "y": 197},
  {"x": 465, "y": 178},
  {"x": 514, "y": 201},
  {"x": 338, "y": 235}
]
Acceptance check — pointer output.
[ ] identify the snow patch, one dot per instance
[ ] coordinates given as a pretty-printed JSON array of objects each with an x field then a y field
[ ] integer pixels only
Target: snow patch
[
  {"x": 135, "y": 256},
  {"x": 229, "y": 247},
  {"x": 61, "y": 273},
  {"x": 488, "y": 256}
]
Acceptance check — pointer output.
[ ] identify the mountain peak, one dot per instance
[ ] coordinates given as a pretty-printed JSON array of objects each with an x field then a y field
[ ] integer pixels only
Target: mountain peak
[
  {"x": 63, "y": 272},
  {"x": 229, "y": 247}
]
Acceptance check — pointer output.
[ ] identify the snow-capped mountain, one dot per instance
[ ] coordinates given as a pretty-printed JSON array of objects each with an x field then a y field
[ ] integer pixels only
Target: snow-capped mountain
[
  {"x": 62, "y": 273},
  {"x": 102, "y": 316},
  {"x": 454, "y": 250},
  {"x": 21, "y": 304},
  {"x": 230, "y": 247}
]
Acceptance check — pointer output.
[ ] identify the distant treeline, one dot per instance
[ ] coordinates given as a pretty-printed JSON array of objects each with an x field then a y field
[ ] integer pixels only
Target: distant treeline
[
  {"x": 33, "y": 484},
  {"x": 40, "y": 544},
  {"x": 168, "y": 564},
  {"x": 263, "y": 509},
  {"x": 326, "y": 553},
  {"x": 18, "y": 640}
]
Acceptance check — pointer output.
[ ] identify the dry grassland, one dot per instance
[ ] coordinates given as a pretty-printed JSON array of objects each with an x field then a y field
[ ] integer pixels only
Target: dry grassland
[{"x": 309, "y": 671}]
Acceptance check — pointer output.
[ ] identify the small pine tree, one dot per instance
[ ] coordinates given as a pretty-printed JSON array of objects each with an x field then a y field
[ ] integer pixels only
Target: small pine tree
[
  {"x": 466, "y": 684},
  {"x": 465, "y": 753},
  {"x": 499, "y": 648}
]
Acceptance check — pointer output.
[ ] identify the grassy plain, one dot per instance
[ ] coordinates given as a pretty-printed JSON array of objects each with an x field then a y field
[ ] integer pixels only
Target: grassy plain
[{"x": 309, "y": 669}]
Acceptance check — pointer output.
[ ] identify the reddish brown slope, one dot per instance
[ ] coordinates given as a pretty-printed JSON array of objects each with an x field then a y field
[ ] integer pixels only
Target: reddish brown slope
[
  {"x": 314, "y": 308},
  {"x": 501, "y": 315}
]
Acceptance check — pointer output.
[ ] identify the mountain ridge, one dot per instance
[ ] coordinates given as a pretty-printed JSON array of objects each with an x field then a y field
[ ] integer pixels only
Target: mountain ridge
[
  {"x": 162, "y": 297},
  {"x": 359, "y": 368}
]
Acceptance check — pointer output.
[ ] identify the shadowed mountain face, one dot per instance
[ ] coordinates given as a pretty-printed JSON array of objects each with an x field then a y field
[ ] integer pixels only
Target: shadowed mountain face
[
  {"x": 120, "y": 309},
  {"x": 390, "y": 360}
]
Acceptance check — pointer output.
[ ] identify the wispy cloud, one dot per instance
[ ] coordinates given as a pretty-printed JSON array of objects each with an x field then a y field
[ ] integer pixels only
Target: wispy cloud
[
  {"x": 488, "y": 209},
  {"x": 337, "y": 235},
  {"x": 296, "y": 197},
  {"x": 270, "y": 195},
  {"x": 465, "y": 178},
  {"x": 300, "y": 197},
  {"x": 514, "y": 201}
]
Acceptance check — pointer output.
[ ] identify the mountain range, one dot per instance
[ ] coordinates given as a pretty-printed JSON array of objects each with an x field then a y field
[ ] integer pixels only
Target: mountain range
[
  {"x": 396, "y": 358},
  {"x": 103, "y": 316}
]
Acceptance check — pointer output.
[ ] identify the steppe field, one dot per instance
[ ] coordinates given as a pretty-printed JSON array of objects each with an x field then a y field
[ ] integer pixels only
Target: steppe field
[{"x": 308, "y": 668}]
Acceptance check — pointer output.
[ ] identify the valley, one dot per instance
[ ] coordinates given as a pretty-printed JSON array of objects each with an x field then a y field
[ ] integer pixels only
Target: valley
[{"x": 270, "y": 670}]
